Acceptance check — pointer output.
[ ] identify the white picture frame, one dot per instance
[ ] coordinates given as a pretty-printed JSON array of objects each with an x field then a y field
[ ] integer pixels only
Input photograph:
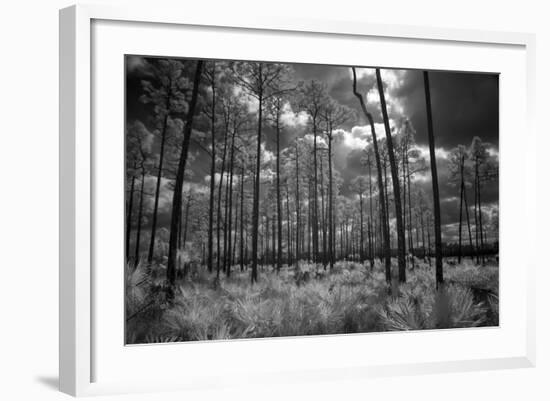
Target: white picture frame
[{"x": 81, "y": 343}]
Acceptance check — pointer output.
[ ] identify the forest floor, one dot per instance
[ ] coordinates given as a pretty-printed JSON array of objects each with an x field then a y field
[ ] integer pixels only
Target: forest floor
[{"x": 308, "y": 300}]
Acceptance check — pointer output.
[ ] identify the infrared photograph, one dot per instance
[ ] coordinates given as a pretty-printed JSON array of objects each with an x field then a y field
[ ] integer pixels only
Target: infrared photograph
[{"x": 268, "y": 199}]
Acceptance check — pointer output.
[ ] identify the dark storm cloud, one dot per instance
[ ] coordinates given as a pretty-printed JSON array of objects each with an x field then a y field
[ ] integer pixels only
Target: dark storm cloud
[
  {"x": 464, "y": 105},
  {"x": 327, "y": 74}
]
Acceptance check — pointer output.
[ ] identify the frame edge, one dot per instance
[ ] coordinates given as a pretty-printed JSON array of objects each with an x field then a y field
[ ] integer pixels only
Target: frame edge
[{"x": 67, "y": 114}]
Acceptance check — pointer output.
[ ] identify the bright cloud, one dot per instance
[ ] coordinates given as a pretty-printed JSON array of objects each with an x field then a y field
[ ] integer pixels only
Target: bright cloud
[
  {"x": 291, "y": 119},
  {"x": 391, "y": 78},
  {"x": 356, "y": 139},
  {"x": 440, "y": 153}
]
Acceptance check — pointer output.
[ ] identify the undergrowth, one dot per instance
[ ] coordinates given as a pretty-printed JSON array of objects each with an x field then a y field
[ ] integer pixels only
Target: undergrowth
[{"x": 307, "y": 300}]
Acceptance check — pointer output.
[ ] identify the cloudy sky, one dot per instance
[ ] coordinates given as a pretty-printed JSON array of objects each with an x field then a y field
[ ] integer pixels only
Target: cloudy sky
[{"x": 464, "y": 105}]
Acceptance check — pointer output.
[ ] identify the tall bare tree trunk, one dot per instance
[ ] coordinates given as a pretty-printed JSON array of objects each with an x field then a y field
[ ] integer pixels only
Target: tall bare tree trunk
[
  {"x": 411, "y": 245},
  {"x": 178, "y": 186},
  {"x": 140, "y": 215},
  {"x": 186, "y": 220},
  {"x": 279, "y": 212},
  {"x": 273, "y": 241},
  {"x": 395, "y": 182},
  {"x": 330, "y": 202},
  {"x": 361, "y": 249},
  {"x": 256, "y": 199},
  {"x": 468, "y": 220},
  {"x": 298, "y": 236},
  {"x": 212, "y": 177},
  {"x": 429, "y": 242},
  {"x": 241, "y": 242},
  {"x": 219, "y": 211},
  {"x": 157, "y": 189},
  {"x": 460, "y": 212},
  {"x": 479, "y": 213},
  {"x": 423, "y": 237},
  {"x": 309, "y": 222},
  {"x": 385, "y": 228},
  {"x": 435, "y": 186},
  {"x": 323, "y": 220},
  {"x": 288, "y": 223},
  {"x": 404, "y": 193},
  {"x": 229, "y": 258},
  {"x": 129, "y": 216},
  {"x": 315, "y": 222},
  {"x": 371, "y": 249}
]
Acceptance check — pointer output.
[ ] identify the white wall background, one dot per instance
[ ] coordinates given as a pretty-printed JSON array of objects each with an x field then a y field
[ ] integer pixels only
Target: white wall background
[{"x": 29, "y": 200}]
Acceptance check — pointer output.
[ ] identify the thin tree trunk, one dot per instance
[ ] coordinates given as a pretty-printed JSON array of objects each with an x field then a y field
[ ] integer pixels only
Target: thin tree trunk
[
  {"x": 298, "y": 236},
  {"x": 186, "y": 220},
  {"x": 468, "y": 220},
  {"x": 371, "y": 250},
  {"x": 330, "y": 201},
  {"x": 387, "y": 204},
  {"x": 361, "y": 250},
  {"x": 315, "y": 223},
  {"x": 429, "y": 242},
  {"x": 423, "y": 237},
  {"x": 309, "y": 223},
  {"x": 273, "y": 242},
  {"x": 411, "y": 245},
  {"x": 242, "y": 222},
  {"x": 279, "y": 212},
  {"x": 157, "y": 190},
  {"x": 129, "y": 216},
  {"x": 288, "y": 232},
  {"x": 323, "y": 220},
  {"x": 476, "y": 217},
  {"x": 235, "y": 231},
  {"x": 212, "y": 176},
  {"x": 140, "y": 215},
  {"x": 404, "y": 204},
  {"x": 416, "y": 233},
  {"x": 230, "y": 206},
  {"x": 256, "y": 199},
  {"x": 460, "y": 212},
  {"x": 480, "y": 214},
  {"x": 219, "y": 211},
  {"x": 435, "y": 186}
]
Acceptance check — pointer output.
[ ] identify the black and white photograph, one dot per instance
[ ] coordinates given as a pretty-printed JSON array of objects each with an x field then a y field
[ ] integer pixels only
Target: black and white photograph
[{"x": 267, "y": 199}]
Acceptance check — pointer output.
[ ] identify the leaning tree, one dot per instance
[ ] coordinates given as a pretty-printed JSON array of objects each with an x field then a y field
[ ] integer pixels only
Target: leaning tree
[
  {"x": 395, "y": 181},
  {"x": 385, "y": 228},
  {"x": 178, "y": 186}
]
